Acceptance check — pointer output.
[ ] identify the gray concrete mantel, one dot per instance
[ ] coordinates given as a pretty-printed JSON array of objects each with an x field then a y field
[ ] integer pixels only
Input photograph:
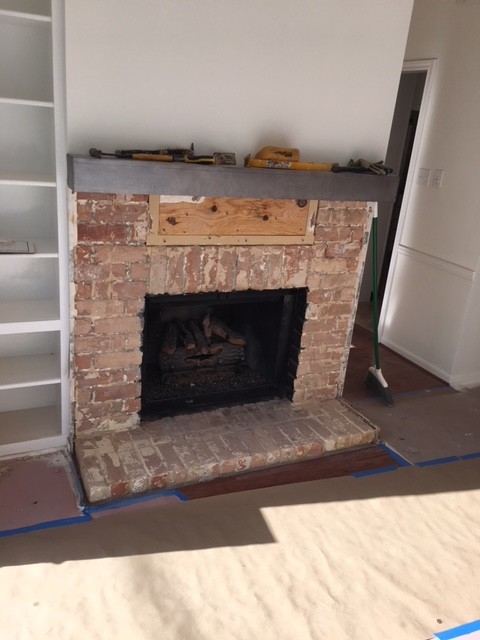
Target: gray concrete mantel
[{"x": 86, "y": 174}]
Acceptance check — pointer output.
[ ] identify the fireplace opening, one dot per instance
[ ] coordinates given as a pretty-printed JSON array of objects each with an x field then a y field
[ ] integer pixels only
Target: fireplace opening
[{"x": 211, "y": 350}]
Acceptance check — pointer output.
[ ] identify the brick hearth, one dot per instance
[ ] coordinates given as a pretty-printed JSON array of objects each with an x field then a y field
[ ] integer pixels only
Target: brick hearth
[{"x": 174, "y": 452}]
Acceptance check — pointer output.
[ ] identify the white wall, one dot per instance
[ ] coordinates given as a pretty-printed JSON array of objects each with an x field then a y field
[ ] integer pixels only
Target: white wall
[
  {"x": 321, "y": 75},
  {"x": 433, "y": 310}
]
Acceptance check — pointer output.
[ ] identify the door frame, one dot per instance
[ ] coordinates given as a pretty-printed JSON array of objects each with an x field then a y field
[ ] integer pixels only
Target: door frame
[{"x": 409, "y": 66}]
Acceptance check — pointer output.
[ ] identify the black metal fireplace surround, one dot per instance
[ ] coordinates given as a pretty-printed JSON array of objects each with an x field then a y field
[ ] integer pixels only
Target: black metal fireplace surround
[{"x": 212, "y": 350}]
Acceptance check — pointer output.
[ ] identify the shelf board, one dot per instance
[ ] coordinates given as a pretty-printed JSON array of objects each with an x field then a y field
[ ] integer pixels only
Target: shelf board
[
  {"x": 44, "y": 248},
  {"x": 29, "y": 430},
  {"x": 18, "y": 17},
  {"x": 27, "y": 181},
  {"x": 28, "y": 316},
  {"x": 29, "y": 371},
  {"x": 27, "y": 103}
]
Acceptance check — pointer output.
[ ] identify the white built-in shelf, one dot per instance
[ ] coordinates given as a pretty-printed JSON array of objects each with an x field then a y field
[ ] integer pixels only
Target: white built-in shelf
[
  {"x": 27, "y": 43},
  {"x": 29, "y": 371},
  {"x": 28, "y": 143},
  {"x": 26, "y": 427},
  {"x": 20, "y": 18},
  {"x": 34, "y": 389},
  {"x": 27, "y": 316},
  {"x": 31, "y": 180},
  {"x": 44, "y": 248},
  {"x": 35, "y": 7},
  {"x": 27, "y": 103}
]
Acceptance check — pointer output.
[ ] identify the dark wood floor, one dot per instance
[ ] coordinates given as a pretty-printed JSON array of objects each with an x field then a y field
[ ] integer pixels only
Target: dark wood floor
[
  {"x": 402, "y": 375},
  {"x": 372, "y": 458}
]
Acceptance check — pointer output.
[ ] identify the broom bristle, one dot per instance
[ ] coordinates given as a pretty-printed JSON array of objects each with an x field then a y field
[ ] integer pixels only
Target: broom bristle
[{"x": 383, "y": 392}]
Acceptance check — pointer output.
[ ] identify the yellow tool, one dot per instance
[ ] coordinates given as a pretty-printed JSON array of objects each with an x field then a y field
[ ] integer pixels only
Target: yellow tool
[
  {"x": 287, "y": 164},
  {"x": 278, "y": 154}
]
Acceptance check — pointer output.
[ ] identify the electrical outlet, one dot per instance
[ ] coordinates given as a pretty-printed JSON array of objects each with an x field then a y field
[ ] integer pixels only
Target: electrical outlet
[
  {"x": 437, "y": 178},
  {"x": 423, "y": 177}
]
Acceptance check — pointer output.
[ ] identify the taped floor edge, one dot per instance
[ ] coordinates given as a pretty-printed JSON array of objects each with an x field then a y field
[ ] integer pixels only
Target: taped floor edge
[{"x": 89, "y": 511}]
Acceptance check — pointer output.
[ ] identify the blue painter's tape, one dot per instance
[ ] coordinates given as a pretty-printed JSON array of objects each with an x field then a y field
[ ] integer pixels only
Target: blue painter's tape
[
  {"x": 432, "y": 463},
  {"x": 126, "y": 502},
  {"x": 458, "y": 632},
  {"x": 470, "y": 456},
  {"x": 374, "y": 472},
  {"x": 402, "y": 462},
  {"x": 53, "y": 524}
]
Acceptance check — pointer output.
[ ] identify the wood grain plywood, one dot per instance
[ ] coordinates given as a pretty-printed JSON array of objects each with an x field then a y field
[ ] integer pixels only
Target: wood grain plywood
[{"x": 231, "y": 221}]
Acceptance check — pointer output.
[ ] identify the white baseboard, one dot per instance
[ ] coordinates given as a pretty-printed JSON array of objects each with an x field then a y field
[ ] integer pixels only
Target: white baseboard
[
  {"x": 468, "y": 381},
  {"x": 428, "y": 366}
]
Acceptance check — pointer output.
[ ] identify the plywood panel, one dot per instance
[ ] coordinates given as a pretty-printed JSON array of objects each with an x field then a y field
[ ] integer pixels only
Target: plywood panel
[{"x": 177, "y": 220}]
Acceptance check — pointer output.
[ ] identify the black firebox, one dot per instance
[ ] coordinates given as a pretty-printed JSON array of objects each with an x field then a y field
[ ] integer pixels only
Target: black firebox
[{"x": 211, "y": 350}]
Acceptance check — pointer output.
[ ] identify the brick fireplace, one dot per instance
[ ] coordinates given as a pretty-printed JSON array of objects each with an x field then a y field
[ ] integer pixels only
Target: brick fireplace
[{"x": 115, "y": 270}]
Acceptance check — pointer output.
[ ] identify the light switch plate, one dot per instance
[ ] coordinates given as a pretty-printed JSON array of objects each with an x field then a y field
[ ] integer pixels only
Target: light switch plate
[
  {"x": 437, "y": 178},
  {"x": 423, "y": 177}
]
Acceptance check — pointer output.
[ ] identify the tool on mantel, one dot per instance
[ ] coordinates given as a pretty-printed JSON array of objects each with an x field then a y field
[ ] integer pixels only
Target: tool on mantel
[
  {"x": 363, "y": 166},
  {"x": 283, "y": 158},
  {"x": 167, "y": 155}
]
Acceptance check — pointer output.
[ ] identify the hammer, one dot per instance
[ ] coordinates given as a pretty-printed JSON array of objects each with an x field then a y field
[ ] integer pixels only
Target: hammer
[{"x": 168, "y": 155}]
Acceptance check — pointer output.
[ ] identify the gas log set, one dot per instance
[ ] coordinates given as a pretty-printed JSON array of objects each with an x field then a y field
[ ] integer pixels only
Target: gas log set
[
  {"x": 210, "y": 350},
  {"x": 193, "y": 344}
]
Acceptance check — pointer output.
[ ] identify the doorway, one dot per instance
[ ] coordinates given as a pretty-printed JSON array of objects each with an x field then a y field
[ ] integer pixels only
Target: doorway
[
  {"x": 398, "y": 157},
  {"x": 402, "y": 154}
]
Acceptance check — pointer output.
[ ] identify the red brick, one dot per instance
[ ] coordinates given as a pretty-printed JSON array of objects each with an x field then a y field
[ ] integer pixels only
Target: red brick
[
  {"x": 352, "y": 264},
  {"x": 133, "y": 197},
  {"x": 89, "y": 196},
  {"x": 209, "y": 269},
  {"x": 193, "y": 263},
  {"x": 83, "y": 291},
  {"x": 158, "y": 270},
  {"x": 105, "y": 212},
  {"x": 99, "y": 308},
  {"x": 244, "y": 267},
  {"x": 125, "y": 290},
  {"x": 83, "y": 396},
  {"x": 100, "y": 409},
  {"x": 132, "y": 405},
  {"x": 101, "y": 290},
  {"x": 116, "y": 392},
  {"x": 175, "y": 270},
  {"x": 119, "y": 272},
  {"x": 83, "y": 254},
  {"x": 102, "y": 254},
  {"x": 82, "y": 361},
  {"x": 121, "y": 254},
  {"x": 83, "y": 326},
  {"x": 138, "y": 271},
  {"x": 137, "y": 233},
  {"x": 101, "y": 233},
  {"x": 115, "y": 360},
  {"x": 86, "y": 272},
  {"x": 342, "y": 249},
  {"x": 85, "y": 212},
  {"x": 134, "y": 306},
  {"x": 275, "y": 268},
  {"x": 93, "y": 343},
  {"x": 131, "y": 211},
  {"x": 226, "y": 269},
  {"x": 117, "y": 325}
]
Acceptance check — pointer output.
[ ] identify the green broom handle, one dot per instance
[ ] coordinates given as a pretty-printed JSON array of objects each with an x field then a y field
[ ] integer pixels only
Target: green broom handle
[{"x": 375, "y": 291}]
